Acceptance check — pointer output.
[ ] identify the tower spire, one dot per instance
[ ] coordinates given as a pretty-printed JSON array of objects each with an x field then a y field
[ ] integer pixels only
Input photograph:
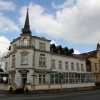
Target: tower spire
[{"x": 26, "y": 29}]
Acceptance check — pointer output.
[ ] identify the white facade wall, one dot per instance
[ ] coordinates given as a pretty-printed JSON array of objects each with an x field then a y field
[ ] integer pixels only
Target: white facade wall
[{"x": 33, "y": 61}]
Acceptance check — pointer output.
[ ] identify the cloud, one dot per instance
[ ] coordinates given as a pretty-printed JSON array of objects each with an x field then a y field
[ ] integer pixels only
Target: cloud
[
  {"x": 5, "y": 5},
  {"x": 79, "y": 23},
  {"x": 53, "y": 42},
  {"x": 68, "y": 3},
  {"x": 76, "y": 52},
  {"x": 4, "y": 45},
  {"x": 7, "y": 25}
]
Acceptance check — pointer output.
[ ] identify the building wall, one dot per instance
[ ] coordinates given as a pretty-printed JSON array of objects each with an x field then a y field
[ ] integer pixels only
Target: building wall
[{"x": 33, "y": 60}]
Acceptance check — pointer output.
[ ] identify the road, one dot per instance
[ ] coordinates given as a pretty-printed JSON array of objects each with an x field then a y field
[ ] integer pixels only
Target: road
[{"x": 85, "y": 95}]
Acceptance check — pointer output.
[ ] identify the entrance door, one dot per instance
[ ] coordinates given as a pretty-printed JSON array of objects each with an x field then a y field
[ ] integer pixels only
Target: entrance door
[{"x": 24, "y": 79}]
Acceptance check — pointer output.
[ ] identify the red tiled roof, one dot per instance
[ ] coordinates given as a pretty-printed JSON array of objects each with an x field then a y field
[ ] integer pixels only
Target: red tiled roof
[{"x": 89, "y": 54}]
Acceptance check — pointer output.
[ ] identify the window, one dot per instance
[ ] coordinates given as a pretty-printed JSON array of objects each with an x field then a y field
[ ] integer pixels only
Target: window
[
  {"x": 12, "y": 78},
  {"x": 54, "y": 77},
  {"x": 13, "y": 62},
  {"x": 25, "y": 42},
  {"x": 42, "y": 61},
  {"x": 72, "y": 66},
  {"x": 41, "y": 79},
  {"x": 24, "y": 75},
  {"x": 95, "y": 66},
  {"x": 60, "y": 64},
  {"x": 71, "y": 78},
  {"x": 42, "y": 46},
  {"x": 82, "y": 67},
  {"x": 52, "y": 63},
  {"x": 24, "y": 59},
  {"x": 14, "y": 47},
  {"x": 77, "y": 66},
  {"x": 6, "y": 65},
  {"x": 66, "y": 65},
  {"x": 66, "y": 78}
]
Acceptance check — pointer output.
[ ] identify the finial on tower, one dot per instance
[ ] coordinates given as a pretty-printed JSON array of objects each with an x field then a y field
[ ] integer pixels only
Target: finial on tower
[{"x": 26, "y": 29}]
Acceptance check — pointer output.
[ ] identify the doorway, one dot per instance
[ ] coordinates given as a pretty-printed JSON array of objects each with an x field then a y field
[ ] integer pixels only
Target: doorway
[{"x": 24, "y": 79}]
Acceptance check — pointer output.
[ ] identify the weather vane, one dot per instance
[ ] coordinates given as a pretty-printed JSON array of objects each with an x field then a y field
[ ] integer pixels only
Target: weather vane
[{"x": 28, "y": 7}]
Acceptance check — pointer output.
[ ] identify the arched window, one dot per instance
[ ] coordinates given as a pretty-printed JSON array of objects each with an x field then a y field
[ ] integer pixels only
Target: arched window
[{"x": 25, "y": 42}]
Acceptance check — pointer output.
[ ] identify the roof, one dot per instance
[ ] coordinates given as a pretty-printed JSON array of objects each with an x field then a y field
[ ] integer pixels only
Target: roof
[{"x": 89, "y": 54}]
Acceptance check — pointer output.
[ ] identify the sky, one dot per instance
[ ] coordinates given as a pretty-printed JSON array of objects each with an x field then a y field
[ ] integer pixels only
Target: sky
[{"x": 69, "y": 23}]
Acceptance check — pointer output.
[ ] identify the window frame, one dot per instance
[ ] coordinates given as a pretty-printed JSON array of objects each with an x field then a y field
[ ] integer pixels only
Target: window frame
[
  {"x": 42, "y": 46},
  {"x": 52, "y": 63},
  {"x": 42, "y": 79},
  {"x": 60, "y": 64},
  {"x": 25, "y": 58},
  {"x": 43, "y": 60},
  {"x": 66, "y": 64},
  {"x": 13, "y": 62},
  {"x": 72, "y": 65}
]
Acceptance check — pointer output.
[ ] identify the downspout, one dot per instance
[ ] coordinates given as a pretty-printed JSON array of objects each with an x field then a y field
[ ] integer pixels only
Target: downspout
[{"x": 34, "y": 63}]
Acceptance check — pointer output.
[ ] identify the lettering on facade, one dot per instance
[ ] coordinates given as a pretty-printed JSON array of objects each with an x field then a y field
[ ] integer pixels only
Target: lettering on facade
[
  {"x": 23, "y": 71},
  {"x": 42, "y": 54}
]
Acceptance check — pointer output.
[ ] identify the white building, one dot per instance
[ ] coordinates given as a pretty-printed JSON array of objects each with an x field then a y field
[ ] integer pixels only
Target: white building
[{"x": 39, "y": 65}]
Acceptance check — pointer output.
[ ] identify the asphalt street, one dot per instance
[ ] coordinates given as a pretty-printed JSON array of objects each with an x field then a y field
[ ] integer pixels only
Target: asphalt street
[{"x": 83, "y": 95}]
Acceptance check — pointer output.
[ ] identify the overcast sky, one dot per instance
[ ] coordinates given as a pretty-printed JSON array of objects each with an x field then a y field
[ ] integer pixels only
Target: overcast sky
[{"x": 70, "y": 23}]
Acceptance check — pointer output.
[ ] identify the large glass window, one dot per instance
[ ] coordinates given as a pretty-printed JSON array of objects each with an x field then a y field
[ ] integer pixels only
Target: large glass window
[
  {"x": 57, "y": 78},
  {"x": 65, "y": 77},
  {"x": 42, "y": 46},
  {"x": 42, "y": 61},
  {"x": 52, "y": 63},
  {"x": 24, "y": 59},
  {"x": 41, "y": 79}
]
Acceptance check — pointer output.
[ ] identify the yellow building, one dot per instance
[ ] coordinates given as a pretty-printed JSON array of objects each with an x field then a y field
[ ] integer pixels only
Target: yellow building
[{"x": 93, "y": 62}]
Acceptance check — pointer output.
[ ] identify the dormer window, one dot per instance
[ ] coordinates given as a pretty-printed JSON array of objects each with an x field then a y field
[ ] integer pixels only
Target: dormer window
[
  {"x": 58, "y": 51},
  {"x": 51, "y": 49},
  {"x": 25, "y": 42}
]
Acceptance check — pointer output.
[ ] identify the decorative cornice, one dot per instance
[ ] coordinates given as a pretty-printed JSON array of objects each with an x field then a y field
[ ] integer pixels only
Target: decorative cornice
[
  {"x": 24, "y": 52},
  {"x": 41, "y": 38},
  {"x": 14, "y": 40}
]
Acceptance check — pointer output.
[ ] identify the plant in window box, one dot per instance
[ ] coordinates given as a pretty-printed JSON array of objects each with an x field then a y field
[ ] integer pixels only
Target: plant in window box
[
  {"x": 10, "y": 90},
  {"x": 26, "y": 91}
]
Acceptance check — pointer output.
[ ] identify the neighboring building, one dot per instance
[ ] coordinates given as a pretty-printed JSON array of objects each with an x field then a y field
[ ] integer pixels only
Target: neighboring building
[
  {"x": 93, "y": 62},
  {"x": 39, "y": 65}
]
